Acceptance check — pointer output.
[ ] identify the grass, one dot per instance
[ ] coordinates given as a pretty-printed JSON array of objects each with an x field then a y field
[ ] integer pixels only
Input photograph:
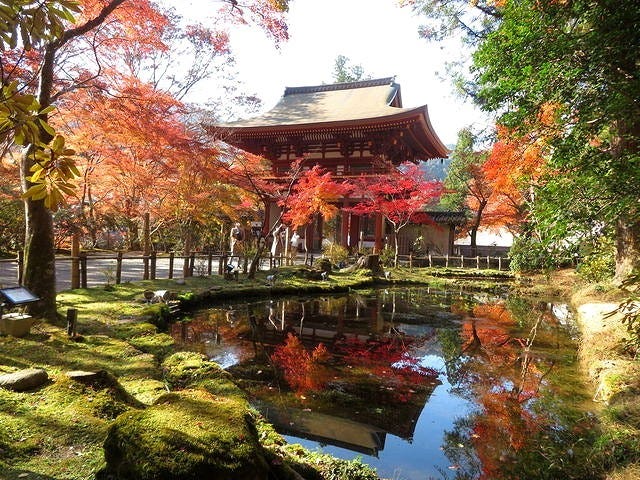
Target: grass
[{"x": 58, "y": 431}]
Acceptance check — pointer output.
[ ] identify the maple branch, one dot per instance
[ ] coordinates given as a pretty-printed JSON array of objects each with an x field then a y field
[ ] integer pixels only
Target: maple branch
[{"x": 90, "y": 25}]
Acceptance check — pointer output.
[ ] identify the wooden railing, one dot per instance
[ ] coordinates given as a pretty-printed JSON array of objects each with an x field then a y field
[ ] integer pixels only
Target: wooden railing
[
  {"x": 455, "y": 261},
  {"x": 92, "y": 270}
]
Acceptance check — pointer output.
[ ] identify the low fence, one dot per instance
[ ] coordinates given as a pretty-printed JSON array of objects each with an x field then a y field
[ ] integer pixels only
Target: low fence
[
  {"x": 93, "y": 270},
  {"x": 455, "y": 261}
]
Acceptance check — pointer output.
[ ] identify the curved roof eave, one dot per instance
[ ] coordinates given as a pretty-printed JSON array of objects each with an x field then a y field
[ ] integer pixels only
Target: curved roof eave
[{"x": 418, "y": 115}]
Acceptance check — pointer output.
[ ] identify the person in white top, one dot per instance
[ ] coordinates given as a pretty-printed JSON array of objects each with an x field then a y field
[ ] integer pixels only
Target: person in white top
[{"x": 295, "y": 244}]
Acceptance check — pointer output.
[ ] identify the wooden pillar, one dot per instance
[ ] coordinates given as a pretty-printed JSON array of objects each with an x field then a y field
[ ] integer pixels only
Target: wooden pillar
[
  {"x": 378, "y": 233},
  {"x": 451, "y": 239},
  {"x": 172, "y": 255},
  {"x": 346, "y": 222},
  {"x": 75, "y": 261}
]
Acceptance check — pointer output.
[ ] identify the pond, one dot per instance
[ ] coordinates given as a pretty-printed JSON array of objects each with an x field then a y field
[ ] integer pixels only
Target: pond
[{"x": 418, "y": 383}]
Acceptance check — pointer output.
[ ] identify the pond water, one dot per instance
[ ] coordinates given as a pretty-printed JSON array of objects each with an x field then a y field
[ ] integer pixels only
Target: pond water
[{"x": 418, "y": 383}]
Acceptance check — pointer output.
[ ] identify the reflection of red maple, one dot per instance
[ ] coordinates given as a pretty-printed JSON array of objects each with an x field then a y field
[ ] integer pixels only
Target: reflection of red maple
[
  {"x": 302, "y": 370},
  {"x": 508, "y": 424},
  {"x": 389, "y": 361}
]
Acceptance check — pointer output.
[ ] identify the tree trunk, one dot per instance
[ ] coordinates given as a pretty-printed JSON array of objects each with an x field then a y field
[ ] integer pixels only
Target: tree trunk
[
  {"x": 396, "y": 247},
  {"x": 627, "y": 246},
  {"x": 628, "y": 223},
  {"x": 473, "y": 233},
  {"x": 39, "y": 265},
  {"x": 253, "y": 266},
  {"x": 39, "y": 272}
]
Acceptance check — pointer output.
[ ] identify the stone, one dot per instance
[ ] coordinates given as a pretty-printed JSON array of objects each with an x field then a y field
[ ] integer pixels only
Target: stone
[
  {"x": 24, "y": 379},
  {"x": 16, "y": 324}
]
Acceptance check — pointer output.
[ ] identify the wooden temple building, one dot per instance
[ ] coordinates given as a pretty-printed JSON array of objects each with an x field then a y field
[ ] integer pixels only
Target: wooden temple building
[{"x": 350, "y": 129}]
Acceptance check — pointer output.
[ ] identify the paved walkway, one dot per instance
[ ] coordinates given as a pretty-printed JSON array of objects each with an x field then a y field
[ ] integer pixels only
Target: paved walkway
[{"x": 100, "y": 269}]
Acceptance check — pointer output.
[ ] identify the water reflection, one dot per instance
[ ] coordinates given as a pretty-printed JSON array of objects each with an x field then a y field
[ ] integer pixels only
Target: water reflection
[{"x": 424, "y": 384}]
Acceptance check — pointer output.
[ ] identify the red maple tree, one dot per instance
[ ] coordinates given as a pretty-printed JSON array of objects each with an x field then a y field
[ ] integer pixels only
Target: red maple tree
[{"x": 398, "y": 196}]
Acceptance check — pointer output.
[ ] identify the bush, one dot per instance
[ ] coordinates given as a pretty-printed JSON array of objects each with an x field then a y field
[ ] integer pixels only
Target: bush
[
  {"x": 387, "y": 257},
  {"x": 599, "y": 262},
  {"x": 337, "y": 254},
  {"x": 530, "y": 254}
]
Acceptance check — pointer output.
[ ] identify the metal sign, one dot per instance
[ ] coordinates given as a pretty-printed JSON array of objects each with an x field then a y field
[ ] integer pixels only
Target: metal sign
[{"x": 18, "y": 295}]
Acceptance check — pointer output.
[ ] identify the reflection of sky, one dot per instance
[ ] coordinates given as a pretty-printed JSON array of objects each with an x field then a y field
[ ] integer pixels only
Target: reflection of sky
[
  {"x": 225, "y": 359},
  {"x": 422, "y": 457}
]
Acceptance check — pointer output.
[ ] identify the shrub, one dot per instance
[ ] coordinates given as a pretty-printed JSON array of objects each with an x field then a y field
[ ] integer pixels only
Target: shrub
[
  {"x": 387, "y": 257},
  {"x": 598, "y": 263},
  {"x": 530, "y": 254},
  {"x": 337, "y": 254}
]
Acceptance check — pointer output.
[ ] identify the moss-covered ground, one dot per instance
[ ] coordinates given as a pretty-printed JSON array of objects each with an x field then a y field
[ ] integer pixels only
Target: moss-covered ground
[{"x": 60, "y": 430}]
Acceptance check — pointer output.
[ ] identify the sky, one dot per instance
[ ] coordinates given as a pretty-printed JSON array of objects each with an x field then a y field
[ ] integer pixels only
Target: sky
[{"x": 376, "y": 34}]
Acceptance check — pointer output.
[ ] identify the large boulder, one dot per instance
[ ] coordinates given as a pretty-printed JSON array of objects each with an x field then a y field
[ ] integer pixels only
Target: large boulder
[
  {"x": 24, "y": 379},
  {"x": 191, "y": 434}
]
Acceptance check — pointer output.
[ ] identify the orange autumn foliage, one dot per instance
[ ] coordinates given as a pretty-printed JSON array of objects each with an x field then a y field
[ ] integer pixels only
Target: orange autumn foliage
[
  {"x": 303, "y": 371},
  {"x": 513, "y": 166},
  {"x": 314, "y": 193}
]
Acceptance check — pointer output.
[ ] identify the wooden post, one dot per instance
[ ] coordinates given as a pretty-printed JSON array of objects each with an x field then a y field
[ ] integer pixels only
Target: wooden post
[
  {"x": 222, "y": 261},
  {"x": 209, "y": 263},
  {"x": 146, "y": 246},
  {"x": 461, "y": 261},
  {"x": 119, "y": 268},
  {"x": 488, "y": 262},
  {"x": 20, "y": 266},
  {"x": 172, "y": 254},
  {"x": 83, "y": 269},
  {"x": 153, "y": 265},
  {"x": 430, "y": 263},
  {"x": 72, "y": 321},
  {"x": 478, "y": 262},
  {"x": 75, "y": 261},
  {"x": 446, "y": 262},
  {"x": 410, "y": 260},
  {"x": 499, "y": 263}
]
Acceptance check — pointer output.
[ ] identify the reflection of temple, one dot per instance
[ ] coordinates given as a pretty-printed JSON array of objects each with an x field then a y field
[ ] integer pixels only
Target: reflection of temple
[
  {"x": 331, "y": 321},
  {"x": 327, "y": 429},
  {"x": 352, "y": 130}
]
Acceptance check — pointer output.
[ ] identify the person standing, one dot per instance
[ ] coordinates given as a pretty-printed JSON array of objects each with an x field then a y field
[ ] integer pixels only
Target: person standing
[
  {"x": 295, "y": 245},
  {"x": 235, "y": 237}
]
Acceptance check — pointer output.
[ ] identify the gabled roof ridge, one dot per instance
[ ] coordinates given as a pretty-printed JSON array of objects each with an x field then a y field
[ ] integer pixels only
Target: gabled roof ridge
[{"x": 331, "y": 87}]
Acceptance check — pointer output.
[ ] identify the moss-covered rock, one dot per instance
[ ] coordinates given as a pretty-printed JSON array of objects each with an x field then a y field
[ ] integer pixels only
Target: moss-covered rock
[
  {"x": 187, "y": 368},
  {"x": 190, "y": 434}
]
